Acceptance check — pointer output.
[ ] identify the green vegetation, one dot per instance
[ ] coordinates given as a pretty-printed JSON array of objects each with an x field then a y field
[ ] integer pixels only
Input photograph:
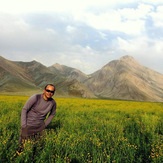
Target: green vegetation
[{"x": 86, "y": 130}]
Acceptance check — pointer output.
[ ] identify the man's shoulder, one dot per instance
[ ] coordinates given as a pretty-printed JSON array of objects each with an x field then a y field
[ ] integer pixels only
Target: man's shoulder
[
  {"x": 53, "y": 101},
  {"x": 36, "y": 96}
]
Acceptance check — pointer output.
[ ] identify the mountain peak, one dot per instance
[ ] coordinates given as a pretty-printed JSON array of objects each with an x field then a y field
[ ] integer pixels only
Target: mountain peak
[
  {"x": 128, "y": 57},
  {"x": 129, "y": 60},
  {"x": 119, "y": 79},
  {"x": 58, "y": 66},
  {"x": 3, "y": 59}
]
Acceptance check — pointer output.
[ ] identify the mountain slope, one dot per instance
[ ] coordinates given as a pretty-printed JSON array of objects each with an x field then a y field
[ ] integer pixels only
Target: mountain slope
[
  {"x": 119, "y": 79},
  {"x": 127, "y": 79},
  {"x": 68, "y": 72},
  {"x": 40, "y": 74},
  {"x": 76, "y": 89},
  {"x": 62, "y": 78},
  {"x": 33, "y": 76},
  {"x": 13, "y": 77}
]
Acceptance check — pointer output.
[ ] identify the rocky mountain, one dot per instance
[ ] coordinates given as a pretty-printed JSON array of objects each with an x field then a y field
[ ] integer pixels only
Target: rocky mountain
[
  {"x": 127, "y": 79},
  {"x": 120, "y": 79},
  {"x": 40, "y": 73},
  {"x": 13, "y": 77},
  {"x": 68, "y": 72},
  {"x": 29, "y": 77},
  {"x": 75, "y": 88}
]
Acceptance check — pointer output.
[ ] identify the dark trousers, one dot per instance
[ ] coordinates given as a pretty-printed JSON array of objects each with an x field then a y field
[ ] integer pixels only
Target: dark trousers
[{"x": 31, "y": 132}]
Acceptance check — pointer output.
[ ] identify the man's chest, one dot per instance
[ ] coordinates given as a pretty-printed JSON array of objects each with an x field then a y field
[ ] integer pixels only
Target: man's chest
[{"x": 42, "y": 107}]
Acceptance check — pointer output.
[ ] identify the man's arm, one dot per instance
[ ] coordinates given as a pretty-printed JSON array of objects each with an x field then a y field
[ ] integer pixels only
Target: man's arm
[
  {"x": 51, "y": 115},
  {"x": 28, "y": 105}
]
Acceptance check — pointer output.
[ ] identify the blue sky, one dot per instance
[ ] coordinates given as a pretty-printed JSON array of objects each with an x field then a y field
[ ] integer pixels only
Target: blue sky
[{"x": 82, "y": 34}]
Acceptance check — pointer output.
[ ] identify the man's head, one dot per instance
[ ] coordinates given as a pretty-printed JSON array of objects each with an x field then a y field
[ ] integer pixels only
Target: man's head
[{"x": 49, "y": 91}]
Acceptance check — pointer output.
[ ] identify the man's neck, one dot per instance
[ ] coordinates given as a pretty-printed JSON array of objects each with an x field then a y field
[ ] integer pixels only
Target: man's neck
[{"x": 45, "y": 98}]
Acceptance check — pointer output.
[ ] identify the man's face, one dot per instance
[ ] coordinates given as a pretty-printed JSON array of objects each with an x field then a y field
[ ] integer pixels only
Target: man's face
[{"x": 49, "y": 91}]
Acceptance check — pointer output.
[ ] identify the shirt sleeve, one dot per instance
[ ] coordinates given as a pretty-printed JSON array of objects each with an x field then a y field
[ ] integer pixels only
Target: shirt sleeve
[
  {"x": 51, "y": 115},
  {"x": 28, "y": 105}
]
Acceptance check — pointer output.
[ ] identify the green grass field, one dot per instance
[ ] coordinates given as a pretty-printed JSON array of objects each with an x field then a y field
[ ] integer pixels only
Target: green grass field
[{"x": 85, "y": 130}]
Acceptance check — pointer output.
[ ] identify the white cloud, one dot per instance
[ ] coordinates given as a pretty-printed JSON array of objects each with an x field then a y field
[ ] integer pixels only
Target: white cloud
[
  {"x": 126, "y": 20},
  {"x": 103, "y": 35},
  {"x": 152, "y": 1},
  {"x": 114, "y": 21},
  {"x": 70, "y": 29},
  {"x": 158, "y": 16},
  {"x": 137, "y": 46},
  {"x": 27, "y": 6},
  {"x": 140, "y": 12},
  {"x": 147, "y": 51},
  {"x": 30, "y": 6},
  {"x": 87, "y": 33},
  {"x": 141, "y": 45},
  {"x": 9, "y": 23},
  {"x": 88, "y": 47}
]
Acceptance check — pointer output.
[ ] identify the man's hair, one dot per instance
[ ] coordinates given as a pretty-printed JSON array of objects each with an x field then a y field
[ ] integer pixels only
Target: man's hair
[{"x": 50, "y": 85}]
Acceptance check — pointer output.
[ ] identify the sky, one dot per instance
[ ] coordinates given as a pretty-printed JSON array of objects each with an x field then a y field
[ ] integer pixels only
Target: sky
[{"x": 82, "y": 34}]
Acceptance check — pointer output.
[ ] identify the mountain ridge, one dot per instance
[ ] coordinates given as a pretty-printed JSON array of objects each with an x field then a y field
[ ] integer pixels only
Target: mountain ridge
[
  {"x": 38, "y": 76},
  {"x": 127, "y": 79},
  {"x": 124, "y": 79}
]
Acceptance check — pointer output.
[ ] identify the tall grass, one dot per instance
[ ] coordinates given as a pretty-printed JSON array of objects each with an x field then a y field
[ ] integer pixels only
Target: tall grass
[{"x": 86, "y": 130}]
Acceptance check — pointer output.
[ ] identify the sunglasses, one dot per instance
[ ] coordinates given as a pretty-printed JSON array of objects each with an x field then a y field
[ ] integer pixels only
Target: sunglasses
[{"x": 47, "y": 90}]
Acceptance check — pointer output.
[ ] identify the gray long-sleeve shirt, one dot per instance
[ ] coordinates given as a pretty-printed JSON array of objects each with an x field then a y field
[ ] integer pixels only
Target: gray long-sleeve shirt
[{"x": 35, "y": 111}]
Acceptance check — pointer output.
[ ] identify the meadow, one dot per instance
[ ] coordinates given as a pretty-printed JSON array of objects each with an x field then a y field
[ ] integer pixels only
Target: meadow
[{"x": 86, "y": 131}]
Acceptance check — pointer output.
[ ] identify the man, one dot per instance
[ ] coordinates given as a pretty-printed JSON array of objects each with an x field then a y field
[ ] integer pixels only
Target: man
[{"x": 35, "y": 111}]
